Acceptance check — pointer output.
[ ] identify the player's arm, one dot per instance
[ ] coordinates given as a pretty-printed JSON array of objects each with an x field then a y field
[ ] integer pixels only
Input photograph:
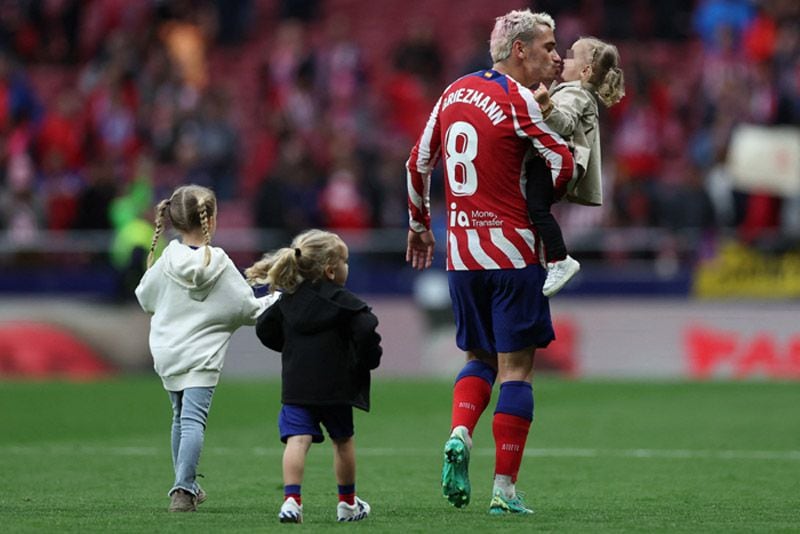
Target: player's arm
[{"x": 424, "y": 156}]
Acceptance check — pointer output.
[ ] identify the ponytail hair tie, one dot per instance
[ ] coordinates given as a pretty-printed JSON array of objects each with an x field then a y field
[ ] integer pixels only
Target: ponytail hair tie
[{"x": 297, "y": 253}]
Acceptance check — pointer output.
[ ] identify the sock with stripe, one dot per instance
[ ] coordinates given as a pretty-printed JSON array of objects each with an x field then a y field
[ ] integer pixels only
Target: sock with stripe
[
  {"x": 347, "y": 493},
  {"x": 471, "y": 394},
  {"x": 512, "y": 420},
  {"x": 292, "y": 490}
]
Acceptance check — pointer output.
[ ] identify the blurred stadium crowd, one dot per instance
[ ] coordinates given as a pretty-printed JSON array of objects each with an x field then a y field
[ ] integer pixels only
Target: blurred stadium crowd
[{"x": 301, "y": 113}]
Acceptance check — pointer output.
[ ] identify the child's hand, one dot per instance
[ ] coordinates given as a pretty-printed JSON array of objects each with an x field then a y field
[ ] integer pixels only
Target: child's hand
[
  {"x": 541, "y": 95},
  {"x": 543, "y": 99}
]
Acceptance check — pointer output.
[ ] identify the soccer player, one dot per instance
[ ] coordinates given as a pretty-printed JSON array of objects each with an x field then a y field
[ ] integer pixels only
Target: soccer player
[{"x": 484, "y": 127}]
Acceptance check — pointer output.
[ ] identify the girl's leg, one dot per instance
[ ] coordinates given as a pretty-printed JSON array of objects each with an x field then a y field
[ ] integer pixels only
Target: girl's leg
[
  {"x": 294, "y": 459},
  {"x": 540, "y": 196},
  {"x": 189, "y": 432},
  {"x": 350, "y": 507},
  {"x": 176, "y": 398},
  {"x": 344, "y": 461}
]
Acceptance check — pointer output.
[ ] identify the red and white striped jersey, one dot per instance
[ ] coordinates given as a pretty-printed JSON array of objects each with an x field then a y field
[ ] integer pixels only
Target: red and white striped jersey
[{"x": 483, "y": 127}]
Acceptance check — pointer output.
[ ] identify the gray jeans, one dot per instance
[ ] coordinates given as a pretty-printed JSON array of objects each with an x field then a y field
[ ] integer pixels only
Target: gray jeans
[{"x": 189, "y": 414}]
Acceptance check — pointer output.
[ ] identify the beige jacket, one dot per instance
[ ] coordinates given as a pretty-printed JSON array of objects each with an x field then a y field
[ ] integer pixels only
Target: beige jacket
[{"x": 574, "y": 116}]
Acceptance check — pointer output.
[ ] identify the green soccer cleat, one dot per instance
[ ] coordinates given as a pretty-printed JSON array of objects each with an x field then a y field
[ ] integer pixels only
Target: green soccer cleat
[
  {"x": 503, "y": 505},
  {"x": 455, "y": 472}
]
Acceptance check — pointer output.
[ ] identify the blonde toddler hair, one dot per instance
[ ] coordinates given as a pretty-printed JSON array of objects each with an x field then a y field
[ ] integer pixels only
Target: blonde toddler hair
[
  {"x": 607, "y": 80},
  {"x": 305, "y": 259},
  {"x": 188, "y": 209}
]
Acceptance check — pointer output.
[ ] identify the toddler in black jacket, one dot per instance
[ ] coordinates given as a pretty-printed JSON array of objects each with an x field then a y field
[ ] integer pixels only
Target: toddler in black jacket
[{"x": 329, "y": 344}]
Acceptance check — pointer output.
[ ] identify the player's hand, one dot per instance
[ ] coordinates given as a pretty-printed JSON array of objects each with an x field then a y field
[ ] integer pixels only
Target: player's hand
[{"x": 420, "y": 249}]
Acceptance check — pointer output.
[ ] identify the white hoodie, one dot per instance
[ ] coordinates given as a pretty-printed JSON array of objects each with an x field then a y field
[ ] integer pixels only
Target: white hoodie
[{"x": 195, "y": 309}]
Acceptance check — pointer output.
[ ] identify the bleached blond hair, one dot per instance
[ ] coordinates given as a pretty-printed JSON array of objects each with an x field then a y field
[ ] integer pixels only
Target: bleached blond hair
[{"x": 517, "y": 25}]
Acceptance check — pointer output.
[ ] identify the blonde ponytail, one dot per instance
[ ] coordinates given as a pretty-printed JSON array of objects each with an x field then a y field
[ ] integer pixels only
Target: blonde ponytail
[
  {"x": 306, "y": 259},
  {"x": 607, "y": 80}
]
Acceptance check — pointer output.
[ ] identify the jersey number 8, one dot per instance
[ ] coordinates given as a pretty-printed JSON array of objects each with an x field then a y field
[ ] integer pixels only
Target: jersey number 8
[{"x": 461, "y": 149}]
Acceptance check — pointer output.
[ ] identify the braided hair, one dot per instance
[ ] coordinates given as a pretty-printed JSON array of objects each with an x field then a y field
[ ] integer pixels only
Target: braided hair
[{"x": 188, "y": 209}]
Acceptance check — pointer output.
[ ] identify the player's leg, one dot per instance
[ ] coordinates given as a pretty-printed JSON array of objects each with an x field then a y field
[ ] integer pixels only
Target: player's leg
[
  {"x": 473, "y": 386},
  {"x": 521, "y": 319},
  {"x": 473, "y": 390},
  {"x": 510, "y": 426}
]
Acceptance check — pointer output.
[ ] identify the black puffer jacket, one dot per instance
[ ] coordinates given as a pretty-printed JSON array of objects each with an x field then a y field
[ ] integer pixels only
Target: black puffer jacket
[{"x": 328, "y": 344}]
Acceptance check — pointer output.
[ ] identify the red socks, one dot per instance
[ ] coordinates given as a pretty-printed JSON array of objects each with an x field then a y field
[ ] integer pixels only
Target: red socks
[
  {"x": 510, "y": 434},
  {"x": 471, "y": 395}
]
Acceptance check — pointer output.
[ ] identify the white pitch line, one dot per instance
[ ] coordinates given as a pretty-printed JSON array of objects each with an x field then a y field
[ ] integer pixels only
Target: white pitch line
[{"x": 675, "y": 454}]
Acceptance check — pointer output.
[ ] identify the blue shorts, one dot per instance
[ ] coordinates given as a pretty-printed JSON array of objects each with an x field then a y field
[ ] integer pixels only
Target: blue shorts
[
  {"x": 296, "y": 420},
  {"x": 501, "y": 310}
]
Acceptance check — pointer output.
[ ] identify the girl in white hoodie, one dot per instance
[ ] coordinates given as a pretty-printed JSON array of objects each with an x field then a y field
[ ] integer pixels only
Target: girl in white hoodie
[{"x": 197, "y": 298}]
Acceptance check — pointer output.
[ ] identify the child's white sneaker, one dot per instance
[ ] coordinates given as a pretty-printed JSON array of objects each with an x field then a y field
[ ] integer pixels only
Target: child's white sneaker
[
  {"x": 558, "y": 274},
  {"x": 352, "y": 512},
  {"x": 291, "y": 512}
]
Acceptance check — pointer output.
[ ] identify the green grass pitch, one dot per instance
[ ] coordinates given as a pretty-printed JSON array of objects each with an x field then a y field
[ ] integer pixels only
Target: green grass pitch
[{"x": 601, "y": 457}]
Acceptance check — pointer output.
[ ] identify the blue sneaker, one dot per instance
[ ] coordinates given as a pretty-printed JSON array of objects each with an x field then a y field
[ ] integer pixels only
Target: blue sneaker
[
  {"x": 455, "y": 472},
  {"x": 503, "y": 505}
]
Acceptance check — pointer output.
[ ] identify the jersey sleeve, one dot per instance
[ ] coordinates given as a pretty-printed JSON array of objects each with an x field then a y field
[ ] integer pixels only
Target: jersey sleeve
[
  {"x": 423, "y": 159},
  {"x": 528, "y": 122}
]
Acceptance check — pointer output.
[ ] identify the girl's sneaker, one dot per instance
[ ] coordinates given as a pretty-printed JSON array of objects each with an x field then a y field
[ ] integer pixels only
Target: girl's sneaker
[
  {"x": 558, "y": 274},
  {"x": 352, "y": 512},
  {"x": 291, "y": 512}
]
